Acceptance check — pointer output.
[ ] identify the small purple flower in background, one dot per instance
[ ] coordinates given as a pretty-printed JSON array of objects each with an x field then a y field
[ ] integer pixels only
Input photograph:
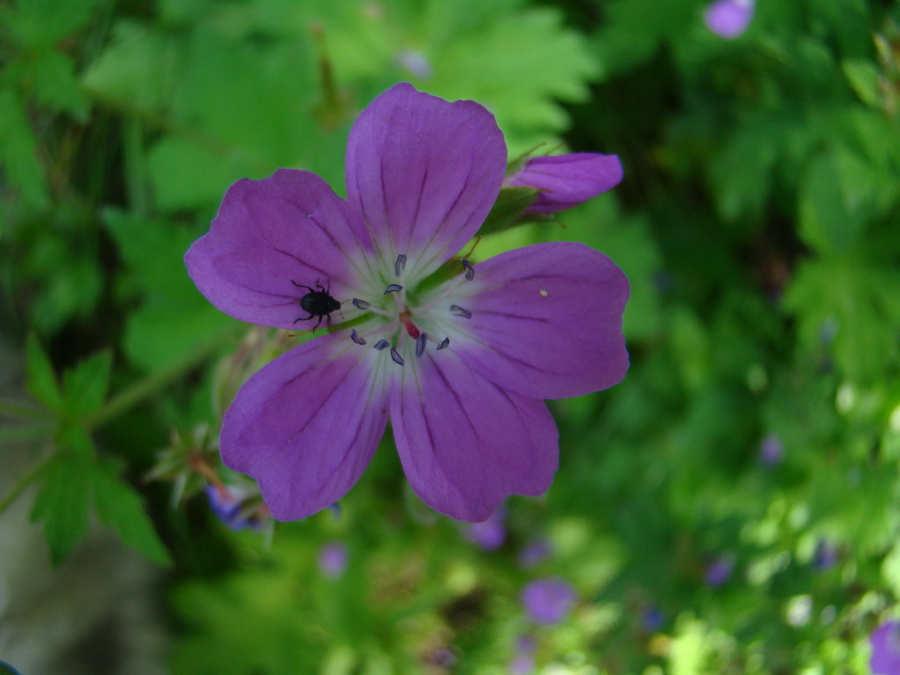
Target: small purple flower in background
[
  {"x": 333, "y": 559},
  {"x": 415, "y": 63},
  {"x": 548, "y": 601},
  {"x": 461, "y": 367},
  {"x": 729, "y": 18},
  {"x": 719, "y": 570},
  {"x": 489, "y": 534},
  {"x": 771, "y": 450},
  {"x": 826, "y": 555},
  {"x": 230, "y": 503},
  {"x": 523, "y": 663},
  {"x": 885, "y": 643},
  {"x": 564, "y": 181},
  {"x": 535, "y": 552},
  {"x": 653, "y": 618}
]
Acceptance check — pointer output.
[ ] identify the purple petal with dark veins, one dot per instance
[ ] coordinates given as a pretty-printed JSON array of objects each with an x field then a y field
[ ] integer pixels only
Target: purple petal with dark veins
[
  {"x": 424, "y": 173},
  {"x": 306, "y": 425},
  {"x": 546, "y": 321},
  {"x": 465, "y": 443},
  {"x": 268, "y": 233}
]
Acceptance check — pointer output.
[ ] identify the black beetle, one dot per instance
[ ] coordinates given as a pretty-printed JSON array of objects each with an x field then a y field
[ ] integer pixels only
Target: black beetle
[{"x": 318, "y": 303}]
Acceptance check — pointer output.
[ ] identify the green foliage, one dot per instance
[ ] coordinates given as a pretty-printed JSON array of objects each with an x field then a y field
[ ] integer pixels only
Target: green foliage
[{"x": 756, "y": 223}]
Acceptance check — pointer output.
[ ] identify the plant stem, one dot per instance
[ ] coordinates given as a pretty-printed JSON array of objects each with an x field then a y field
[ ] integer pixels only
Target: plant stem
[{"x": 150, "y": 385}]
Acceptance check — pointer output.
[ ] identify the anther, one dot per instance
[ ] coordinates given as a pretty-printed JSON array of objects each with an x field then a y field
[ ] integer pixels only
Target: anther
[
  {"x": 470, "y": 269},
  {"x": 392, "y": 288},
  {"x": 444, "y": 344},
  {"x": 456, "y": 310},
  {"x": 420, "y": 343},
  {"x": 395, "y": 355},
  {"x": 399, "y": 265},
  {"x": 381, "y": 344},
  {"x": 360, "y": 304},
  {"x": 356, "y": 338}
]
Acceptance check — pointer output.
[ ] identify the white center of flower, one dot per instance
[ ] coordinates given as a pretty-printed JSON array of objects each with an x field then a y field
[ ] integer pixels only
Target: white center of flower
[{"x": 405, "y": 322}]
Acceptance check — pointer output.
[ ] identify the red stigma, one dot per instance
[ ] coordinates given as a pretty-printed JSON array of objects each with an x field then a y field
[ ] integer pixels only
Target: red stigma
[{"x": 411, "y": 328}]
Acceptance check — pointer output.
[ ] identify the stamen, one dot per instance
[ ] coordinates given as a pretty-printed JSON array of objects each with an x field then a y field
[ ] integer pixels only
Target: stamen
[
  {"x": 456, "y": 310},
  {"x": 470, "y": 269},
  {"x": 356, "y": 338},
  {"x": 360, "y": 304},
  {"x": 393, "y": 288},
  {"x": 400, "y": 265},
  {"x": 420, "y": 343},
  {"x": 444, "y": 344},
  {"x": 395, "y": 355},
  {"x": 381, "y": 344}
]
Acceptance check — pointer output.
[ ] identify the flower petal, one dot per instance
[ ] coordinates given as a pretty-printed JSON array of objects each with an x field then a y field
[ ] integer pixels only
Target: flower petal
[
  {"x": 424, "y": 173},
  {"x": 270, "y": 232},
  {"x": 306, "y": 425},
  {"x": 465, "y": 443},
  {"x": 567, "y": 180},
  {"x": 546, "y": 320}
]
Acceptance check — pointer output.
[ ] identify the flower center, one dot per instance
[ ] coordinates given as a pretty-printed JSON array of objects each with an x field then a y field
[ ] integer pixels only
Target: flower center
[{"x": 404, "y": 323}]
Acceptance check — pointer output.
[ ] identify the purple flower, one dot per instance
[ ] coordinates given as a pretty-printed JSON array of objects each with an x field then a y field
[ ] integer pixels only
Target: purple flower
[
  {"x": 535, "y": 552},
  {"x": 885, "y": 642},
  {"x": 460, "y": 363},
  {"x": 771, "y": 450},
  {"x": 415, "y": 63},
  {"x": 548, "y": 601},
  {"x": 826, "y": 555},
  {"x": 333, "y": 559},
  {"x": 653, "y": 618},
  {"x": 489, "y": 534},
  {"x": 719, "y": 570},
  {"x": 523, "y": 663},
  {"x": 565, "y": 181},
  {"x": 232, "y": 506},
  {"x": 729, "y": 18}
]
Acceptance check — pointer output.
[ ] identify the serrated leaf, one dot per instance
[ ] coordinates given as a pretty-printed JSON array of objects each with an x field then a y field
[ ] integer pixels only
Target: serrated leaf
[
  {"x": 62, "y": 506},
  {"x": 18, "y": 151},
  {"x": 557, "y": 63},
  {"x": 40, "y": 378},
  {"x": 121, "y": 508},
  {"x": 85, "y": 385},
  {"x": 862, "y": 301}
]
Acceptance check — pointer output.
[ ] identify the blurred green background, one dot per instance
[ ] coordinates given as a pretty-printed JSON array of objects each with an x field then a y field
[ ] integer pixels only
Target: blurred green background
[{"x": 731, "y": 507}]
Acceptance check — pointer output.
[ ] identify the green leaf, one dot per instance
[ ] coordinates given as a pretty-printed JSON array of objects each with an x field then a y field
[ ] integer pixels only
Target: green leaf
[
  {"x": 830, "y": 219},
  {"x": 861, "y": 300},
  {"x": 136, "y": 71},
  {"x": 175, "y": 319},
  {"x": 62, "y": 506},
  {"x": 120, "y": 507},
  {"x": 488, "y": 65},
  {"x": 40, "y": 379},
  {"x": 187, "y": 175},
  {"x": 55, "y": 84},
  {"x": 86, "y": 384},
  {"x": 41, "y": 23},
  {"x": 18, "y": 151}
]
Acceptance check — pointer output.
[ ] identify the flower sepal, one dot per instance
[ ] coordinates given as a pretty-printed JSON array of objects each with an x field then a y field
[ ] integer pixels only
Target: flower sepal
[{"x": 511, "y": 210}]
